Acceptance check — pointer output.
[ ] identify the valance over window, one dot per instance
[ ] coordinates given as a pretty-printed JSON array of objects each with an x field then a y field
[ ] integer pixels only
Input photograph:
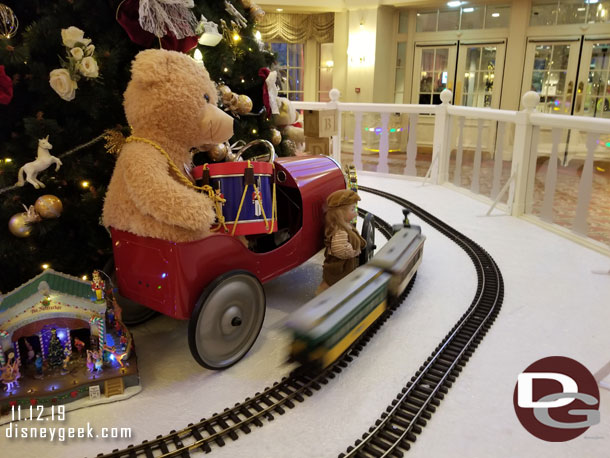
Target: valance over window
[{"x": 297, "y": 28}]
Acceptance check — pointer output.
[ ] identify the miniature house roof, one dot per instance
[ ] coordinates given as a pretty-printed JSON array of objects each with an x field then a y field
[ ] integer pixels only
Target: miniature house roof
[
  {"x": 61, "y": 283},
  {"x": 70, "y": 297}
]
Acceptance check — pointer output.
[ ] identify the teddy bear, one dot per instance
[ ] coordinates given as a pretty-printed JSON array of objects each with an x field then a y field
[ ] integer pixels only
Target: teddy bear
[
  {"x": 170, "y": 104},
  {"x": 293, "y": 137}
]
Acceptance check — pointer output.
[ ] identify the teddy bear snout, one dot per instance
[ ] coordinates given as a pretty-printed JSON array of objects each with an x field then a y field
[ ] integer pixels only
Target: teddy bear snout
[{"x": 217, "y": 125}]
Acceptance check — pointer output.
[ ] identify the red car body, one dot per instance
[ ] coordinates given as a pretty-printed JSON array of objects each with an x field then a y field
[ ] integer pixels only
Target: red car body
[{"x": 169, "y": 277}]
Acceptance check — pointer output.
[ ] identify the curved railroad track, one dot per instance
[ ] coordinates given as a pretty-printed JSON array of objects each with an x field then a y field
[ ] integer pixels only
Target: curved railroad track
[
  {"x": 262, "y": 406},
  {"x": 404, "y": 418}
]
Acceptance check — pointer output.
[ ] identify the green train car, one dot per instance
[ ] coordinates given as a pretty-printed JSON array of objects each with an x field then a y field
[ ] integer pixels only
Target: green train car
[{"x": 328, "y": 325}]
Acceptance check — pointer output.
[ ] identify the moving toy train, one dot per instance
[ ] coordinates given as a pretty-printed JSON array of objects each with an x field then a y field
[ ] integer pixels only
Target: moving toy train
[{"x": 326, "y": 327}]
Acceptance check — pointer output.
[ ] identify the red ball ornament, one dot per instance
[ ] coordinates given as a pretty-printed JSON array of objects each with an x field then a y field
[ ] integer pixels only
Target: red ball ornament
[
  {"x": 12, "y": 403},
  {"x": 54, "y": 401},
  {"x": 73, "y": 394},
  {"x": 33, "y": 402}
]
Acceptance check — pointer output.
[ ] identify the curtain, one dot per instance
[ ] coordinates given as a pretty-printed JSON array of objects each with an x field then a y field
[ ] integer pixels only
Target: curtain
[{"x": 297, "y": 28}]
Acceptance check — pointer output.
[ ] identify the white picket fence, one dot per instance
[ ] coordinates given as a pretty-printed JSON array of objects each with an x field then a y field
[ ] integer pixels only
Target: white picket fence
[{"x": 518, "y": 161}]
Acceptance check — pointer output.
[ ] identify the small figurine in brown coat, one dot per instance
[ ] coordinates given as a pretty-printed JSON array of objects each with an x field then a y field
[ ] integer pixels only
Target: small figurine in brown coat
[{"x": 343, "y": 243}]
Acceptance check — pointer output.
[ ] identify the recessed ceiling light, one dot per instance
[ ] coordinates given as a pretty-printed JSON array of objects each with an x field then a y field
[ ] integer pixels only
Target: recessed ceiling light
[
  {"x": 454, "y": 3},
  {"x": 468, "y": 10},
  {"x": 495, "y": 14},
  {"x": 279, "y": 10}
]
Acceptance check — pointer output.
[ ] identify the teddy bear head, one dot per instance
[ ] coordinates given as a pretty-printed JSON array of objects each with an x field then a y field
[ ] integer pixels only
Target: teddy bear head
[{"x": 170, "y": 98}]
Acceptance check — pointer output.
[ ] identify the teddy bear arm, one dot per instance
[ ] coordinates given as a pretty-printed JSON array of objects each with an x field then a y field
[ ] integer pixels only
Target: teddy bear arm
[{"x": 155, "y": 193}]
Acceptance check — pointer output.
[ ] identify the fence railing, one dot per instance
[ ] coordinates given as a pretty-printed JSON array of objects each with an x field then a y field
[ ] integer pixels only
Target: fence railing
[{"x": 551, "y": 169}]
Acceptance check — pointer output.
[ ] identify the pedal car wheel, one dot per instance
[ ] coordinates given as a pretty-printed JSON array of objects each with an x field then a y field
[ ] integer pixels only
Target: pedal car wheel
[
  {"x": 368, "y": 234},
  {"x": 132, "y": 312},
  {"x": 227, "y": 319}
]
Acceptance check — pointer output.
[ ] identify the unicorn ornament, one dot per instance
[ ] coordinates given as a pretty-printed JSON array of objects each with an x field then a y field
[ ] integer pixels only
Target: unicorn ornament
[{"x": 42, "y": 162}]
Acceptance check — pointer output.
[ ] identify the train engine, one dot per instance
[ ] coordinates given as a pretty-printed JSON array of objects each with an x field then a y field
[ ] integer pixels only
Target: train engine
[{"x": 328, "y": 325}]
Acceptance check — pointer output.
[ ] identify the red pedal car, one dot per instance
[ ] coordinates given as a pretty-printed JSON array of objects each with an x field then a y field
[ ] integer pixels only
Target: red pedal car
[{"x": 216, "y": 282}]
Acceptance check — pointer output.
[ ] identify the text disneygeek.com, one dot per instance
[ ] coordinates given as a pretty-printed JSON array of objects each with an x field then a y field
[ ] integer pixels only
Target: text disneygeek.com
[{"x": 62, "y": 433}]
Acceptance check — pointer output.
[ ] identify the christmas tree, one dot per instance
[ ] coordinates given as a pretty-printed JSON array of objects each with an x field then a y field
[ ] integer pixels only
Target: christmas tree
[
  {"x": 55, "y": 355},
  {"x": 64, "y": 66}
]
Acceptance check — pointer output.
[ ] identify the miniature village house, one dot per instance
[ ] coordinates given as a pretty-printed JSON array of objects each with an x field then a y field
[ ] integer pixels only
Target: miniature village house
[{"x": 58, "y": 339}]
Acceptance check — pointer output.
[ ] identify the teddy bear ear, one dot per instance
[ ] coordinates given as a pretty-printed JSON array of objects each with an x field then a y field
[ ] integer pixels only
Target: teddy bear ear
[{"x": 154, "y": 65}]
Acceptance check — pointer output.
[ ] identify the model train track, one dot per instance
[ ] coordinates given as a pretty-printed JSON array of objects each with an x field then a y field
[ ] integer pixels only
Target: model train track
[
  {"x": 404, "y": 418},
  {"x": 261, "y": 407}
]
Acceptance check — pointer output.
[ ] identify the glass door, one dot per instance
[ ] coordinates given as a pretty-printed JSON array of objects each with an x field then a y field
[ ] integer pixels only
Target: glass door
[
  {"x": 550, "y": 70},
  {"x": 593, "y": 91},
  {"x": 436, "y": 64},
  {"x": 479, "y": 75}
]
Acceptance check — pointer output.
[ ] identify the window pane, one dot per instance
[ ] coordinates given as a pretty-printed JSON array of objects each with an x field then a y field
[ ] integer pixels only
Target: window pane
[
  {"x": 473, "y": 56},
  {"x": 281, "y": 50},
  {"x": 488, "y": 59},
  {"x": 440, "y": 81},
  {"x": 497, "y": 16},
  {"x": 326, "y": 80},
  {"x": 403, "y": 16},
  {"x": 426, "y": 21},
  {"x": 295, "y": 79},
  {"x": 442, "y": 57},
  {"x": 425, "y": 84},
  {"x": 599, "y": 12},
  {"x": 427, "y": 60},
  {"x": 572, "y": 12},
  {"x": 544, "y": 12},
  {"x": 401, "y": 53},
  {"x": 326, "y": 55},
  {"x": 472, "y": 17},
  {"x": 295, "y": 55},
  {"x": 561, "y": 54},
  {"x": 448, "y": 19},
  {"x": 542, "y": 57},
  {"x": 400, "y": 80}
]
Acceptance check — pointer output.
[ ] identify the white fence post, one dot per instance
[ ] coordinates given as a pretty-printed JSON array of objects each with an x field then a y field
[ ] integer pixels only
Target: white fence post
[
  {"x": 522, "y": 154},
  {"x": 441, "y": 144},
  {"x": 334, "y": 95}
]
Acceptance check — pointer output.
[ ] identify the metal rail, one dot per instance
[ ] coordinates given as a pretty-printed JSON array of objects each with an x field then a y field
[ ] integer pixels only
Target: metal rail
[{"x": 397, "y": 427}]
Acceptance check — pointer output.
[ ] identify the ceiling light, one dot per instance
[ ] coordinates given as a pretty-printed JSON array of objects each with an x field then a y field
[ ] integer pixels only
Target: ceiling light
[
  {"x": 468, "y": 10},
  {"x": 495, "y": 14},
  {"x": 279, "y": 10},
  {"x": 454, "y": 3}
]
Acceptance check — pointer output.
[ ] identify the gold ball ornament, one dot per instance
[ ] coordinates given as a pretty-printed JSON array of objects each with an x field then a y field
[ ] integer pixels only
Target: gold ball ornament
[
  {"x": 276, "y": 137},
  {"x": 244, "y": 104},
  {"x": 20, "y": 225},
  {"x": 218, "y": 152},
  {"x": 233, "y": 103},
  {"x": 224, "y": 90},
  {"x": 8, "y": 22},
  {"x": 48, "y": 206}
]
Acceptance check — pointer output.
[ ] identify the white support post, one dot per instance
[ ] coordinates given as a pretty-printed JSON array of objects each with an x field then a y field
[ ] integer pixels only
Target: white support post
[
  {"x": 358, "y": 140},
  {"x": 501, "y": 194},
  {"x": 429, "y": 172},
  {"x": 384, "y": 144},
  {"x": 439, "y": 168},
  {"x": 521, "y": 154},
  {"x": 334, "y": 95}
]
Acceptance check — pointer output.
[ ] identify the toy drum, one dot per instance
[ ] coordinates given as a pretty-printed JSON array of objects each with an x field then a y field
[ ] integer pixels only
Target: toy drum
[{"x": 247, "y": 190}]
